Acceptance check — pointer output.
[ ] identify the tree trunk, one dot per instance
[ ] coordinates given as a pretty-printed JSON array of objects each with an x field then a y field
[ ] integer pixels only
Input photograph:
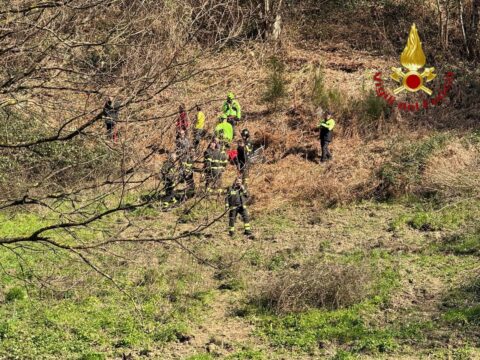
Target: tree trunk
[
  {"x": 272, "y": 20},
  {"x": 473, "y": 36},
  {"x": 462, "y": 24}
]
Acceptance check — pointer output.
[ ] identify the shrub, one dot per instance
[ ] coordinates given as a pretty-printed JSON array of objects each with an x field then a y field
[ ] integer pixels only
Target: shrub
[
  {"x": 324, "y": 98},
  {"x": 276, "y": 84},
  {"x": 403, "y": 173},
  {"x": 463, "y": 243},
  {"x": 315, "y": 285},
  {"x": 373, "y": 107},
  {"x": 14, "y": 293}
]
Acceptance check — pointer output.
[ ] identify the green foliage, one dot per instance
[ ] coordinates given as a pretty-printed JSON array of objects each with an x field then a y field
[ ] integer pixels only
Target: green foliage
[
  {"x": 319, "y": 93},
  {"x": 68, "y": 162},
  {"x": 247, "y": 354},
  {"x": 20, "y": 224},
  {"x": 95, "y": 316},
  {"x": 15, "y": 293},
  {"x": 200, "y": 357},
  {"x": 462, "y": 306},
  {"x": 324, "y": 98},
  {"x": 466, "y": 242},
  {"x": 344, "y": 355},
  {"x": 371, "y": 108},
  {"x": 348, "y": 326},
  {"x": 92, "y": 356},
  {"x": 275, "y": 89},
  {"x": 3, "y": 330},
  {"x": 463, "y": 316},
  {"x": 425, "y": 217}
]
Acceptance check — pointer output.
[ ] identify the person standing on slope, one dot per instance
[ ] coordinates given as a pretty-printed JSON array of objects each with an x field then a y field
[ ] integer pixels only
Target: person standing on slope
[
  {"x": 215, "y": 161},
  {"x": 199, "y": 129},
  {"x": 224, "y": 131},
  {"x": 182, "y": 144},
  {"x": 244, "y": 151},
  {"x": 183, "y": 122},
  {"x": 169, "y": 177},
  {"x": 326, "y": 135},
  {"x": 231, "y": 108},
  {"x": 236, "y": 203},
  {"x": 110, "y": 114}
]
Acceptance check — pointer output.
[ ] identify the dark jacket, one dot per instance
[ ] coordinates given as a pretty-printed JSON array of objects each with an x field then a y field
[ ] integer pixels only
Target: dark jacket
[
  {"x": 243, "y": 155},
  {"x": 215, "y": 160},
  {"x": 186, "y": 170},
  {"x": 182, "y": 146},
  {"x": 236, "y": 197},
  {"x": 168, "y": 171},
  {"x": 110, "y": 111}
]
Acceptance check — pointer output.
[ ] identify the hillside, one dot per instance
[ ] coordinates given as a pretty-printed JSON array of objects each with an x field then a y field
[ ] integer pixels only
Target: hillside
[{"x": 373, "y": 255}]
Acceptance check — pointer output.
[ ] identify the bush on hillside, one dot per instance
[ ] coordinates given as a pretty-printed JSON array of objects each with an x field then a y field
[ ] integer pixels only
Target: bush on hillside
[
  {"x": 323, "y": 97},
  {"x": 63, "y": 163},
  {"x": 403, "y": 173},
  {"x": 275, "y": 90},
  {"x": 315, "y": 285}
]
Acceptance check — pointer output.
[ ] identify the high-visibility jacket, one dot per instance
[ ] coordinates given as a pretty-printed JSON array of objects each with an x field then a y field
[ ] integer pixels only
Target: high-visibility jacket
[
  {"x": 224, "y": 131},
  {"x": 326, "y": 129},
  {"x": 232, "y": 109},
  {"x": 200, "y": 123}
]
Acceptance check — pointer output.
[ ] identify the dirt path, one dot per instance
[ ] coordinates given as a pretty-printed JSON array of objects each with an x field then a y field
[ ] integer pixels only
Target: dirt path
[{"x": 220, "y": 333}]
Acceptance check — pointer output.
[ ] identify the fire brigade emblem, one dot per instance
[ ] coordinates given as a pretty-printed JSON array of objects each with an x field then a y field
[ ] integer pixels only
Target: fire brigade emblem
[{"x": 413, "y": 59}]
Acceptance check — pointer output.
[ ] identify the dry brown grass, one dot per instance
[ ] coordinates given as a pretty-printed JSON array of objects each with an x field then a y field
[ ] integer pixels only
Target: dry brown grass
[
  {"x": 455, "y": 171},
  {"x": 347, "y": 178},
  {"x": 315, "y": 285}
]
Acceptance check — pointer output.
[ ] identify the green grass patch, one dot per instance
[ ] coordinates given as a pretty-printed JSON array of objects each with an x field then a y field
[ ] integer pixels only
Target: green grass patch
[
  {"x": 21, "y": 224},
  {"x": 350, "y": 326},
  {"x": 424, "y": 216},
  {"x": 93, "y": 318},
  {"x": 247, "y": 354},
  {"x": 463, "y": 316},
  {"x": 465, "y": 242}
]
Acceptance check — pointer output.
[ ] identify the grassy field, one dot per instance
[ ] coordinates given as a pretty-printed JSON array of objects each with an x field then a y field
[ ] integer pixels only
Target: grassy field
[{"x": 418, "y": 262}]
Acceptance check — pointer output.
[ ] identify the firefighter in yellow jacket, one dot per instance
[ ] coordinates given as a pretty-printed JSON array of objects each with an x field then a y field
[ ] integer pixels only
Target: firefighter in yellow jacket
[{"x": 326, "y": 135}]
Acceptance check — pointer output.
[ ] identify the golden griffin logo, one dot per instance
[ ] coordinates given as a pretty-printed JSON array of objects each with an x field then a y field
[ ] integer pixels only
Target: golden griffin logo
[{"x": 413, "y": 59}]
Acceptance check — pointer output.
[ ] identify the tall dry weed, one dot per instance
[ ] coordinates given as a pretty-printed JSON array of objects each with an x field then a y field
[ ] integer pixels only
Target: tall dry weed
[{"x": 315, "y": 285}]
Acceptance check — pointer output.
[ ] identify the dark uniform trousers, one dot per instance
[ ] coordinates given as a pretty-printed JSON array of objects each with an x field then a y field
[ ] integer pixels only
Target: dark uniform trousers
[
  {"x": 326, "y": 155},
  {"x": 232, "y": 217}
]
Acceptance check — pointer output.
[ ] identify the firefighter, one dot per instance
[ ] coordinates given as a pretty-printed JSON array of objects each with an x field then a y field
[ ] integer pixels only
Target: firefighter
[
  {"x": 215, "y": 161},
  {"x": 182, "y": 144},
  {"x": 236, "y": 203},
  {"x": 231, "y": 107},
  {"x": 224, "y": 131},
  {"x": 169, "y": 177},
  {"x": 244, "y": 152},
  {"x": 232, "y": 110},
  {"x": 326, "y": 134},
  {"x": 199, "y": 129},
  {"x": 110, "y": 115},
  {"x": 186, "y": 176}
]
